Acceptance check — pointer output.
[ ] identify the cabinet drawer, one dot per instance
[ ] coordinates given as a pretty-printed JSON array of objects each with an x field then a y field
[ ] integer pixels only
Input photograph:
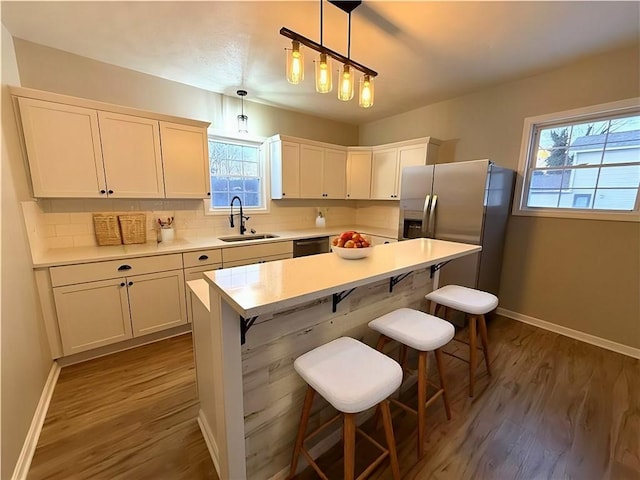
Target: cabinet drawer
[
  {"x": 90, "y": 272},
  {"x": 195, "y": 273},
  {"x": 202, "y": 257},
  {"x": 251, "y": 261},
  {"x": 256, "y": 251}
]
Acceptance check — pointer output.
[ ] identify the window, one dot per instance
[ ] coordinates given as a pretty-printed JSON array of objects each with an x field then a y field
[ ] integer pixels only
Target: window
[
  {"x": 237, "y": 169},
  {"x": 582, "y": 163}
]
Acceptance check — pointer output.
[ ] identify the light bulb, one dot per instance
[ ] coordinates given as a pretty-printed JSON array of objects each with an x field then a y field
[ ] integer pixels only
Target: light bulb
[
  {"x": 324, "y": 80},
  {"x": 366, "y": 91},
  {"x": 295, "y": 63},
  {"x": 345, "y": 92}
]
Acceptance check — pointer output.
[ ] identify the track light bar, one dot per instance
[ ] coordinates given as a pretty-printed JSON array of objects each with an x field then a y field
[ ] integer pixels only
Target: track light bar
[{"x": 322, "y": 49}]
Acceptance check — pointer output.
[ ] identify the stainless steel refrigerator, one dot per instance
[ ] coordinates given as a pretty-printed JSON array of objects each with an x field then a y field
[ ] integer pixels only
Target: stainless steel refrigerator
[{"x": 465, "y": 202}]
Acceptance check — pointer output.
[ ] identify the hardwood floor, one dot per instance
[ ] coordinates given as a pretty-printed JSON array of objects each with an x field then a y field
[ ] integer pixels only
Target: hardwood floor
[
  {"x": 130, "y": 415},
  {"x": 555, "y": 408}
]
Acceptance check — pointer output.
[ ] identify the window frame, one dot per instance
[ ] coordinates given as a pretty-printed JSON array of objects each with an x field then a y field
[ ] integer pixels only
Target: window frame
[
  {"x": 529, "y": 144},
  {"x": 245, "y": 140}
]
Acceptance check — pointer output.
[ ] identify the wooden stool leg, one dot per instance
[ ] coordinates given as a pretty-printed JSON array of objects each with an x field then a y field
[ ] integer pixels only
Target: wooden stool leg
[
  {"x": 349, "y": 438},
  {"x": 391, "y": 442},
  {"x": 482, "y": 324},
  {"x": 447, "y": 407},
  {"x": 382, "y": 341},
  {"x": 302, "y": 429},
  {"x": 422, "y": 400},
  {"x": 473, "y": 353},
  {"x": 403, "y": 359}
]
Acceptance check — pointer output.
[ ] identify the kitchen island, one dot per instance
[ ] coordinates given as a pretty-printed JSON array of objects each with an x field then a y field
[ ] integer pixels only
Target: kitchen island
[{"x": 253, "y": 321}]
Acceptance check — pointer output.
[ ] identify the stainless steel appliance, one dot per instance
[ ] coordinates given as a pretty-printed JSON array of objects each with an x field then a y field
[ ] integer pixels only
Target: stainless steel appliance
[
  {"x": 465, "y": 202},
  {"x": 310, "y": 246}
]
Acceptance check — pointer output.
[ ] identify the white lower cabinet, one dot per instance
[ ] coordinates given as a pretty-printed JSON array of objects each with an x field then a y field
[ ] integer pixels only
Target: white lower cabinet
[
  {"x": 144, "y": 295},
  {"x": 93, "y": 314}
]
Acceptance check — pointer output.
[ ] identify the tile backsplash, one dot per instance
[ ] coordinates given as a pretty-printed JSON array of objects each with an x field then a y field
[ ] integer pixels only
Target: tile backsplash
[{"x": 64, "y": 223}]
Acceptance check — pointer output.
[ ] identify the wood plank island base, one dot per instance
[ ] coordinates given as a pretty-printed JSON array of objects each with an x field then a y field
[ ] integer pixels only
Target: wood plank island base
[{"x": 250, "y": 323}]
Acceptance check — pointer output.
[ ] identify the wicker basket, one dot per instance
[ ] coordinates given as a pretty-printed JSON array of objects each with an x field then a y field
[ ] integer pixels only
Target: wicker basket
[
  {"x": 107, "y": 229},
  {"x": 133, "y": 228}
]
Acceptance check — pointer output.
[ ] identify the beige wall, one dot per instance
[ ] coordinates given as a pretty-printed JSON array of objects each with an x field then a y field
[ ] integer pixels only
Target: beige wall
[
  {"x": 26, "y": 359},
  {"x": 580, "y": 274},
  {"x": 56, "y": 71}
]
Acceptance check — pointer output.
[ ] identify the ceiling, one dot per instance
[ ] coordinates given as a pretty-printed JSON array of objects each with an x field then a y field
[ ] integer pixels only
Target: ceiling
[{"x": 423, "y": 51}]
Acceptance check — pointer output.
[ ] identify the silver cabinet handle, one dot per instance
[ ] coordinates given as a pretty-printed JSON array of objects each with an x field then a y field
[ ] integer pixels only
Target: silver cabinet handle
[
  {"x": 425, "y": 216},
  {"x": 432, "y": 217}
]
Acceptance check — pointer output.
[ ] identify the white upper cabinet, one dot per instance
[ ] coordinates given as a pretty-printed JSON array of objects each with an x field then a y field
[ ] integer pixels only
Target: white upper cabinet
[
  {"x": 359, "y": 174},
  {"x": 82, "y": 148},
  {"x": 184, "y": 147},
  {"x": 311, "y": 167},
  {"x": 284, "y": 159},
  {"x": 388, "y": 162},
  {"x": 64, "y": 150},
  {"x": 131, "y": 154},
  {"x": 334, "y": 178}
]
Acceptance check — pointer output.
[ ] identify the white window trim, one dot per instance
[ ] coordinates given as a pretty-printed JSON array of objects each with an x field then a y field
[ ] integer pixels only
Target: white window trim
[
  {"x": 519, "y": 200},
  {"x": 264, "y": 161}
]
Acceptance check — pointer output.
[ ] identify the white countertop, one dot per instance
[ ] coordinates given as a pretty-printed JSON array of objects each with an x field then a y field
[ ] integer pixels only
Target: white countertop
[
  {"x": 68, "y": 256},
  {"x": 267, "y": 287}
]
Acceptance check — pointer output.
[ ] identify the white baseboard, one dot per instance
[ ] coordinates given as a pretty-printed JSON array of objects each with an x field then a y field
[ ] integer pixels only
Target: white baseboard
[
  {"x": 31, "y": 441},
  {"x": 212, "y": 446},
  {"x": 569, "y": 332}
]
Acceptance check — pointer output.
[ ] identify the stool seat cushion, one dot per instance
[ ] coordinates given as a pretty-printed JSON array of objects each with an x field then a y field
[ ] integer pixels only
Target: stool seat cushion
[
  {"x": 414, "y": 329},
  {"x": 468, "y": 300},
  {"x": 350, "y": 375}
]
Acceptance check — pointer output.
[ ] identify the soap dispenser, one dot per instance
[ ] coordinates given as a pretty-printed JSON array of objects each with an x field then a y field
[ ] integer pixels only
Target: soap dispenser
[{"x": 320, "y": 221}]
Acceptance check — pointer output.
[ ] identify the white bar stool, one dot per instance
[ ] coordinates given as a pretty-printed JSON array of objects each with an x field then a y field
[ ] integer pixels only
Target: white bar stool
[
  {"x": 424, "y": 333},
  {"x": 475, "y": 304},
  {"x": 352, "y": 377}
]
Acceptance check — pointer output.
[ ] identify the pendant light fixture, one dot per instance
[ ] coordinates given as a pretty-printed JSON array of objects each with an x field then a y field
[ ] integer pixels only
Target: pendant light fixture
[
  {"x": 243, "y": 120},
  {"x": 295, "y": 63},
  {"x": 323, "y": 70}
]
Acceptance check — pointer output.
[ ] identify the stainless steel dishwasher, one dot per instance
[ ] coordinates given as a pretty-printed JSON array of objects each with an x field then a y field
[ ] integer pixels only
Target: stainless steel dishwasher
[{"x": 310, "y": 246}]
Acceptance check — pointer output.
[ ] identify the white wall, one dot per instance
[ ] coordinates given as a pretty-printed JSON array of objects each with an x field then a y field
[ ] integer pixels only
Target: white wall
[{"x": 25, "y": 356}]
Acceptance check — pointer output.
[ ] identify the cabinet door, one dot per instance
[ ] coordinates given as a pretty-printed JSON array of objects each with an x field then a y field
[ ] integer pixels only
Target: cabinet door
[
  {"x": 93, "y": 314},
  {"x": 383, "y": 176},
  {"x": 185, "y": 159},
  {"x": 311, "y": 162},
  {"x": 132, "y": 158},
  {"x": 359, "y": 175},
  {"x": 157, "y": 301},
  {"x": 334, "y": 174},
  {"x": 287, "y": 169},
  {"x": 63, "y": 148},
  {"x": 410, "y": 156}
]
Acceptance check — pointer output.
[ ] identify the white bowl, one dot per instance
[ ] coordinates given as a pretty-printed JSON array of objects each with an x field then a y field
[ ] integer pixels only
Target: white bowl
[{"x": 352, "y": 253}]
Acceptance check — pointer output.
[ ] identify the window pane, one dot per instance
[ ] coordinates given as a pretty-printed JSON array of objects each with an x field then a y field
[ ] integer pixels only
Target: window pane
[
  {"x": 543, "y": 198},
  {"x": 249, "y": 169},
  {"x": 576, "y": 198},
  {"x": 235, "y": 185},
  {"x": 624, "y": 176},
  {"x": 235, "y": 152},
  {"x": 589, "y": 133},
  {"x": 587, "y": 154},
  {"x": 220, "y": 199},
  {"x": 623, "y": 155},
  {"x": 250, "y": 154},
  {"x": 251, "y": 200},
  {"x": 547, "y": 179},
  {"x": 252, "y": 185},
  {"x": 615, "y": 199},
  {"x": 583, "y": 178},
  {"x": 219, "y": 184}
]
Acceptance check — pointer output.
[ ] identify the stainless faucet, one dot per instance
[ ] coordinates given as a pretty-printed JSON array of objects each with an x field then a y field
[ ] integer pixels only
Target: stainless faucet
[{"x": 242, "y": 217}]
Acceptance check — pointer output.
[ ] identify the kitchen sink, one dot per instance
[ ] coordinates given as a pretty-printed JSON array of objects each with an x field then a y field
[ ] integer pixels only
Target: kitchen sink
[{"x": 244, "y": 238}]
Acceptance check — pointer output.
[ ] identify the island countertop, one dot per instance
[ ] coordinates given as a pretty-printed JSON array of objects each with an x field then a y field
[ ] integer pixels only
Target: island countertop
[{"x": 253, "y": 290}]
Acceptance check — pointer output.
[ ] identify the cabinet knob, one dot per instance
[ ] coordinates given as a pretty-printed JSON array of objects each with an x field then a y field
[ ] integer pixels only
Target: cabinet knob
[
  {"x": 283, "y": 194},
  {"x": 122, "y": 284},
  {"x": 110, "y": 191},
  {"x": 208, "y": 194},
  {"x": 130, "y": 283},
  {"x": 203, "y": 257},
  {"x": 103, "y": 192}
]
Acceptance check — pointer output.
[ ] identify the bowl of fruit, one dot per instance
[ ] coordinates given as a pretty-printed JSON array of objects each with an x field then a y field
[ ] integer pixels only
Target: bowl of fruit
[{"x": 351, "y": 245}]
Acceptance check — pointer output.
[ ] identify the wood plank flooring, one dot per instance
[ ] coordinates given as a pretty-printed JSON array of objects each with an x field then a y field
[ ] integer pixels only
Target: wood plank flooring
[
  {"x": 555, "y": 408},
  {"x": 130, "y": 415}
]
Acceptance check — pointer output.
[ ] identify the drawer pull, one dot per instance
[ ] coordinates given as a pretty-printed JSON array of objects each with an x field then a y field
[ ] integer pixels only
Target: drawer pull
[
  {"x": 124, "y": 267},
  {"x": 203, "y": 257}
]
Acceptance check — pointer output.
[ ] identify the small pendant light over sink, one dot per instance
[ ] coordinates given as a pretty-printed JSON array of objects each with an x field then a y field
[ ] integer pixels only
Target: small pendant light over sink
[{"x": 243, "y": 120}]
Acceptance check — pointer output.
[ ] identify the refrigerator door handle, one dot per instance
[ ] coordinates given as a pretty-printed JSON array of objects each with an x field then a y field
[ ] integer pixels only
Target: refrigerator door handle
[
  {"x": 425, "y": 216},
  {"x": 432, "y": 217}
]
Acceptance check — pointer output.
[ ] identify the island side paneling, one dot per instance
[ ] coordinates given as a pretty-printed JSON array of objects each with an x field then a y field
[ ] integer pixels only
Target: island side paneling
[{"x": 273, "y": 391}]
